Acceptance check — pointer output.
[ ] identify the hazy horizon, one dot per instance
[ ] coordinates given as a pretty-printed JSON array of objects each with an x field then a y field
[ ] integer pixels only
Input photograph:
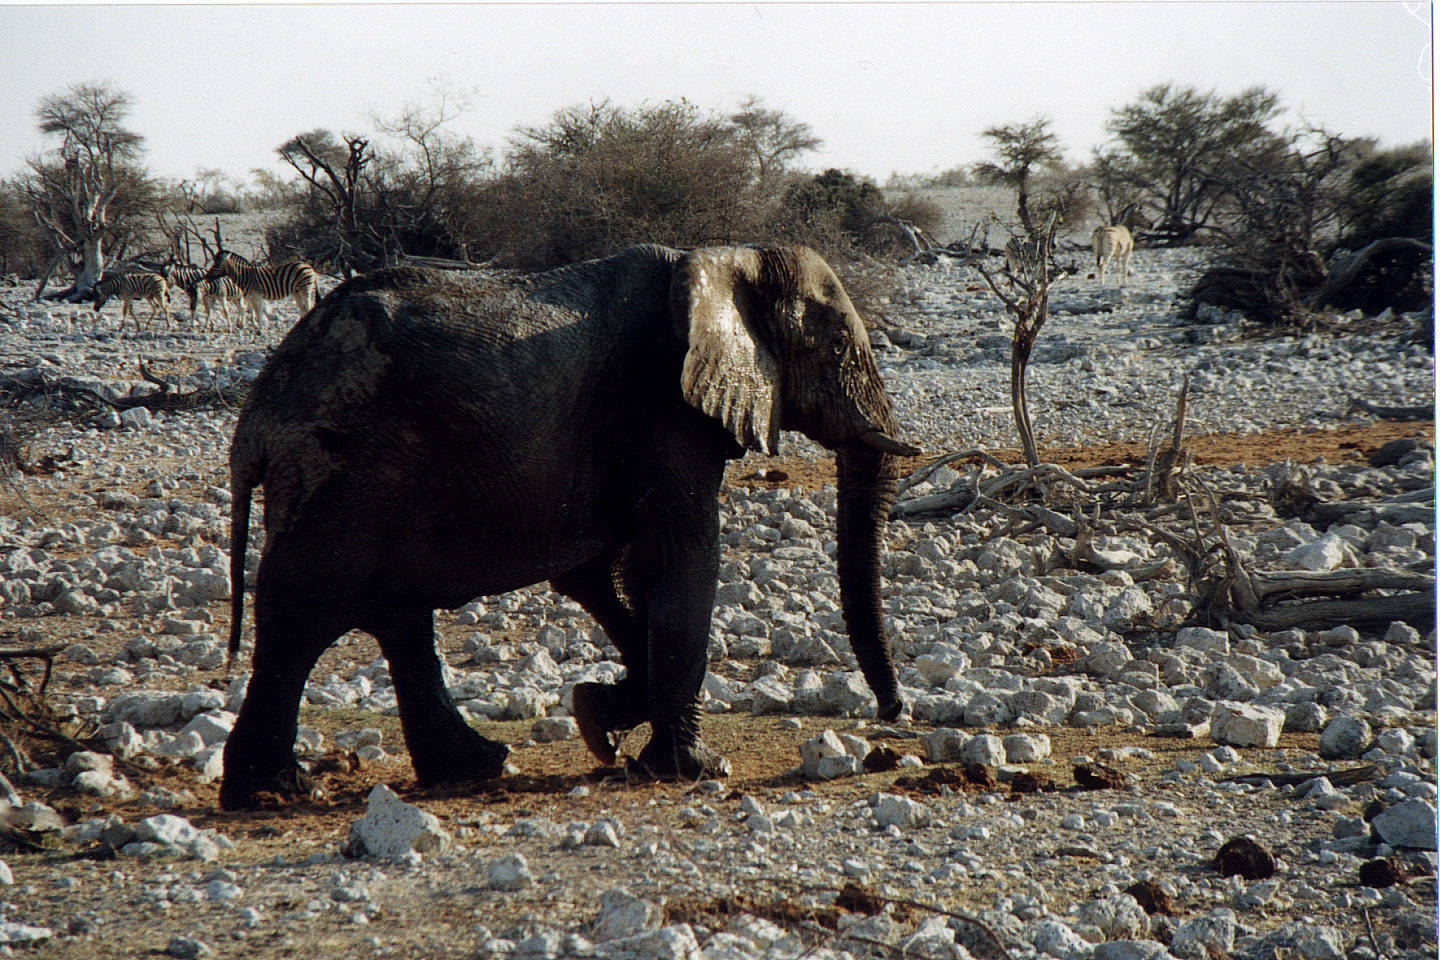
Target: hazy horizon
[{"x": 890, "y": 88}]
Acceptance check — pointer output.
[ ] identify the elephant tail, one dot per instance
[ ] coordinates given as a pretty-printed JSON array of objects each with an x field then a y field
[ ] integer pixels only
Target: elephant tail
[{"x": 240, "y": 489}]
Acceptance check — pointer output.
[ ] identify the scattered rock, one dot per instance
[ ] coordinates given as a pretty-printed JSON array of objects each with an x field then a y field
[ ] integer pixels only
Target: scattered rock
[
  {"x": 1345, "y": 738},
  {"x": 1245, "y": 725},
  {"x": 510, "y": 873},
  {"x": 1411, "y": 823}
]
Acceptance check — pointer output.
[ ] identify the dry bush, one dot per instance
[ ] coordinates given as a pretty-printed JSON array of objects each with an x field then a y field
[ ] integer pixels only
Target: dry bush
[
  {"x": 1062, "y": 191},
  {"x": 24, "y": 249},
  {"x": 600, "y": 178},
  {"x": 1389, "y": 193}
]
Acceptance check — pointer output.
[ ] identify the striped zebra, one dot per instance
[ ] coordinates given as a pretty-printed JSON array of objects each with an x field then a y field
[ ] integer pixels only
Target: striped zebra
[
  {"x": 136, "y": 285},
  {"x": 295, "y": 279},
  {"x": 185, "y": 276},
  {"x": 221, "y": 290}
]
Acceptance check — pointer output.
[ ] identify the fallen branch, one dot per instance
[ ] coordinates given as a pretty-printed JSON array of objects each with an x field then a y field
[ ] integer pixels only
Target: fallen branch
[
  {"x": 1337, "y": 778},
  {"x": 442, "y": 263},
  {"x": 926, "y": 472},
  {"x": 1416, "y": 609},
  {"x": 1423, "y": 412},
  {"x": 1289, "y": 584},
  {"x": 1417, "y": 506}
]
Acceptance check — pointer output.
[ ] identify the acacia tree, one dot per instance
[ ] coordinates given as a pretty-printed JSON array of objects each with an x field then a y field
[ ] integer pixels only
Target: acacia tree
[
  {"x": 1175, "y": 150},
  {"x": 1019, "y": 150},
  {"x": 90, "y": 192},
  {"x": 600, "y": 177},
  {"x": 774, "y": 141}
]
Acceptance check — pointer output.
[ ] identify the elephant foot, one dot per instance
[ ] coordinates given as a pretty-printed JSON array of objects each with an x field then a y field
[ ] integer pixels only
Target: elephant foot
[
  {"x": 891, "y": 711},
  {"x": 694, "y": 761},
  {"x": 601, "y": 710},
  {"x": 478, "y": 759},
  {"x": 237, "y": 791}
]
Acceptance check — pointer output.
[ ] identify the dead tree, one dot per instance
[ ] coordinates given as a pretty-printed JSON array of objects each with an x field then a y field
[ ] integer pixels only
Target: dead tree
[
  {"x": 1030, "y": 310},
  {"x": 335, "y": 173},
  {"x": 1280, "y": 262},
  {"x": 83, "y": 195},
  {"x": 1386, "y": 273}
]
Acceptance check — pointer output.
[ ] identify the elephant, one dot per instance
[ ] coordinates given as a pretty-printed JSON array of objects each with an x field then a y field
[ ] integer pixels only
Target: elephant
[{"x": 425, "y": 437}]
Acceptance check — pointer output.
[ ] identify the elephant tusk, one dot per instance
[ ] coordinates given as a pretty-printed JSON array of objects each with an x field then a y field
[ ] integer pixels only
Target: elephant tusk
[{"x": 887, "y": 444}]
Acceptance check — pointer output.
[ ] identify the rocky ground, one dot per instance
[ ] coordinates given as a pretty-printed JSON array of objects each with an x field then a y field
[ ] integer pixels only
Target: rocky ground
[{"x": 1122, "y": 743}]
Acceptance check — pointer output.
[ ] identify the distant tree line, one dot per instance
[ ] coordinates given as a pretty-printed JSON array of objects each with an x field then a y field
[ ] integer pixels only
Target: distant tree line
[
  {"x": 1301, "y": 218},
  {"x": 1182, "y": 165}
]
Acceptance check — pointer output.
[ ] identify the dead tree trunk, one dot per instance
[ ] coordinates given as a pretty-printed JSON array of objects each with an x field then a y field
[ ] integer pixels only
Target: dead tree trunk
[{"x": 1030, "y": 311}]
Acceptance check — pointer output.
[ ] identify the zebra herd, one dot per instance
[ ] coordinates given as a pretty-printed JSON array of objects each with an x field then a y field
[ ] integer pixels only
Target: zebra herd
[{"x": 231, "y": 279}]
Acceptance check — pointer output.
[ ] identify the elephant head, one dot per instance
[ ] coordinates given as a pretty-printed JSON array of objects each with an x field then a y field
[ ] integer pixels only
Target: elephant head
[{"x": 774, "y": 342}]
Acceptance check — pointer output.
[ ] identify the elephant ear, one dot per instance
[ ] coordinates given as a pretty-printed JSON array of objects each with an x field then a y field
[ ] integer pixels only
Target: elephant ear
[{"x": 730, "y": 371}]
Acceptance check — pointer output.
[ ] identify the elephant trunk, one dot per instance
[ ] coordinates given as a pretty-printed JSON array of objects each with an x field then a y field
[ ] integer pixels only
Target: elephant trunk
[{"x": 866, "y": 492}]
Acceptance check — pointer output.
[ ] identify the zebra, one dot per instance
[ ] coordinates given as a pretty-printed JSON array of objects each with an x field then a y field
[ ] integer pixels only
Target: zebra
[
  {"x": 295, "y": 279},
  {"x": 185, "y": 276},
  {"x": 1112, "y": 245},
  {"x": 136, "y": 285},
  {"x": 222, "y": 290}
]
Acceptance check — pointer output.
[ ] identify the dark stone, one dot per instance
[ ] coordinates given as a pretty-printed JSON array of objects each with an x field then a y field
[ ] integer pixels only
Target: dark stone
[
  {"x": 1386, "y": 872},
  {"x": 1391, "y": 453},
  {"x": 1246, "y": 858},
  {"x": 881, "y": 759},
  {"x": 1029, "y": 782},
  {"x": 1152, "y": 897},
  {"x": 859, "y": 899},
  {"x": 1097, "y": 776}
]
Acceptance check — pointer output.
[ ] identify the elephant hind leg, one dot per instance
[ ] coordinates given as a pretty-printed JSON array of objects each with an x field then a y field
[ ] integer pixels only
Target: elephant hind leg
[
  {"x": 260, "y": 751},
  {"x": 601, "y": 709},
  {"x": 443, "y": 747}
]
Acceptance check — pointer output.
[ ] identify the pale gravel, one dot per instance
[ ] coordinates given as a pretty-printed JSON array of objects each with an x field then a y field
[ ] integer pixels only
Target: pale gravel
[{"x": 1043, "y": 871}]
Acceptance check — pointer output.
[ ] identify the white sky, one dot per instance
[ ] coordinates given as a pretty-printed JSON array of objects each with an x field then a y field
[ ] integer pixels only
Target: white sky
[{"x": 888, "y": 86}]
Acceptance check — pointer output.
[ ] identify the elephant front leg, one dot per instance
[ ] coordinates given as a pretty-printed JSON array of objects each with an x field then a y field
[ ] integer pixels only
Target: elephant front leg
[
  {"x": 443, "y": 747},
  {"x": 679, "y": 635},
  {"x": 674, "y": 561},
  {"x": 681, "y": 563}
]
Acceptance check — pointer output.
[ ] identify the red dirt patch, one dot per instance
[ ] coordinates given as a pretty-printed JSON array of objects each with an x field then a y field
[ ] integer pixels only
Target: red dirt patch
[{"x": 1346, "y": 443}]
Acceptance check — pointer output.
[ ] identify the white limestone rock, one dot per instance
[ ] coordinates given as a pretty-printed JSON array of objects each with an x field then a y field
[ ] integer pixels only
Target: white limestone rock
[
  {"x": 393, "y": 828},
  {"x": 1411, "y": 823},
  {"x": 1246, "y": 725}
]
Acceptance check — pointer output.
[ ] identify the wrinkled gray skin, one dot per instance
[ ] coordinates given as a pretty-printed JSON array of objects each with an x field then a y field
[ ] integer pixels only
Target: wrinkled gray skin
[{"x": 425, "y": 438}]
